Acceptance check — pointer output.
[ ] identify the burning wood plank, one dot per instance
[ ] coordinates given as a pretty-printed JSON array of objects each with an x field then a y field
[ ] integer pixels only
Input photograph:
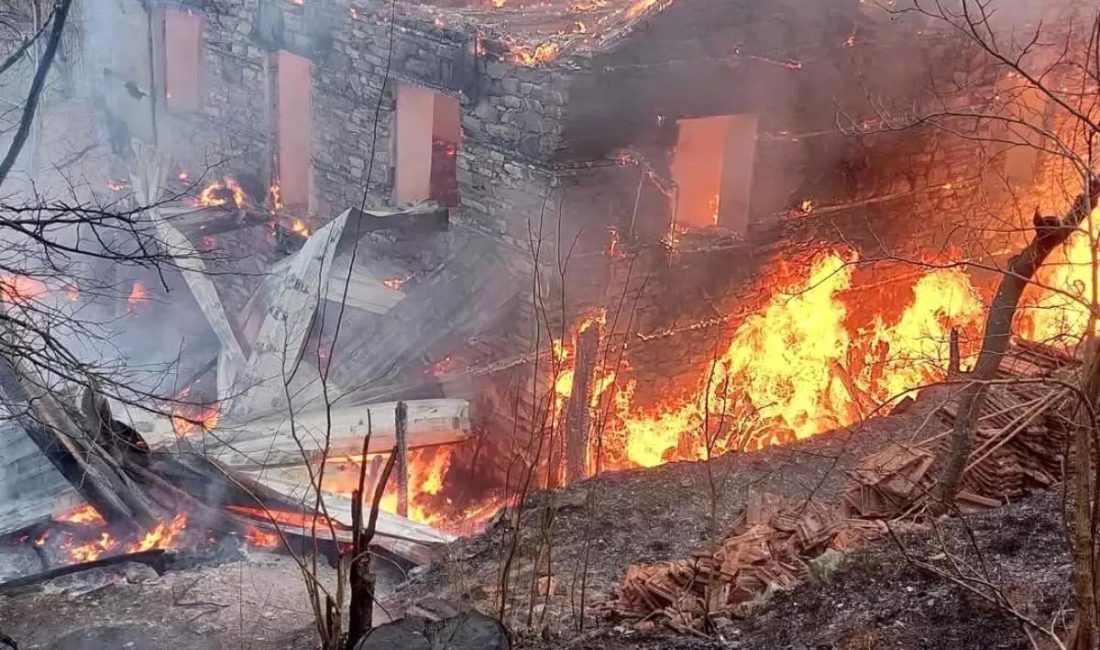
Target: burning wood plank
[{"x": 412, "y": 541}]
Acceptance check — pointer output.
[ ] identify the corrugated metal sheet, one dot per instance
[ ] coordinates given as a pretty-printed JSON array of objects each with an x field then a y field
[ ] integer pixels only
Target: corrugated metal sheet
[{"x": 31, "y": 488}]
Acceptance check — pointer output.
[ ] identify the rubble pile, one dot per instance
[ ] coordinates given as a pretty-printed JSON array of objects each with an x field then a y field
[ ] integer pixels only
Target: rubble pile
[{"x": 772, "y": 544}]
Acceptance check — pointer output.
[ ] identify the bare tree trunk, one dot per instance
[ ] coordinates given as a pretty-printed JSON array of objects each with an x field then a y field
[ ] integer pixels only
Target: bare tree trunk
[
  {"x": 954, "y": 363},
  {"x": 578, "y": 418},
  {"x": 1050, "y": 232},
  {"x": 1085, "y": 635}
]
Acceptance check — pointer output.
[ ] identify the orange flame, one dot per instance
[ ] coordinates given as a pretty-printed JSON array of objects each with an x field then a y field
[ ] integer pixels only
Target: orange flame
[
  {"x": 533, "y": 55},
  {"x": 164, "y": 535},
  {"x": 185, "y": 423},
  {"x": 395, "y": 283},
  {"x": 276, "y": 196},
  {"x": 792, "y": 369},
  {"x": 85, "y": 514},
  {"x": 1060, "y": 313},
  {"x": 79, "y": 548},
  {"x": 300, "y": 227},
  {"x": 218, "y": 193},
  {"x": 136, "y": 297},
  {"x": 20, "y": 288}
]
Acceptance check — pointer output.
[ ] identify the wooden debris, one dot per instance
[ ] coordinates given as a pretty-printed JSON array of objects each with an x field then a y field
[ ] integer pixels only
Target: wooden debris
[
  {"x": 1018, "y": 447},
  {"x": 769, "y": 546}
]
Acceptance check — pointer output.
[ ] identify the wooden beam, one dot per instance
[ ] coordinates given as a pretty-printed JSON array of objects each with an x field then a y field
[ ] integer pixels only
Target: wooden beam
[
  {"x": 254, "y": 444},
  {"x": 578, "y": 417},
  {"x": 84, "y": 464}
]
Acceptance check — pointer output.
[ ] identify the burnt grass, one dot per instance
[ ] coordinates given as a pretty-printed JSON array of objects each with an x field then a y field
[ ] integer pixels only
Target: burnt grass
[{"x": 875, "y": 599}]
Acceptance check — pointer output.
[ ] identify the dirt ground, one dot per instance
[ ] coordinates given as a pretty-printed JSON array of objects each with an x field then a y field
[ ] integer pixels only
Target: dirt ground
[{"x": 256, "y": 602}]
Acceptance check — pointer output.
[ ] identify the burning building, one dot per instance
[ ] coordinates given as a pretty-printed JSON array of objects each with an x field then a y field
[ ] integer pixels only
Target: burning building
[{"x": 662, "y": 230}]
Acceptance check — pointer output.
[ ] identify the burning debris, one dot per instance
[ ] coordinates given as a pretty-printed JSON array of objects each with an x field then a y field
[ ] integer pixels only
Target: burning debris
[{"x": 224, "y": 193}]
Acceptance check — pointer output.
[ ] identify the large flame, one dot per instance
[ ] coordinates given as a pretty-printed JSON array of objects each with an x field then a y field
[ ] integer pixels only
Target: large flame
[
  {"x": 1058, "y": 307},
  {"x": 797, "y": 366}
]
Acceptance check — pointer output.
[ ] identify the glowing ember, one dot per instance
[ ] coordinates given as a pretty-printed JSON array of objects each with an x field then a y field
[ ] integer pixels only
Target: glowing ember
[
  {"x": 587, "y": 6},
  {"x": 639, "y": 8},
  {"x": 287, "y": 518},
  {"x": 261, "y": 538},
  {"x": 220, "y": 193},
  {"x": 83, "y": 515},
  {"x": 116, "y": 186},
  {"x": 613, "y": 244},
  {"x": 395, "y": 283},
  {"x": 72, "y": 294},
  {"x": 136, "y": 297},
  {"x": 183, "y": 177}
]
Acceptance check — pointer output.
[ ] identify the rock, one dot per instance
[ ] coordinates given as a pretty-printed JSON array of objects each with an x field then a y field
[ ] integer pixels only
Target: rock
[
  {"x": 824, "y": 566},
  {"x": 466, "y": 631}
]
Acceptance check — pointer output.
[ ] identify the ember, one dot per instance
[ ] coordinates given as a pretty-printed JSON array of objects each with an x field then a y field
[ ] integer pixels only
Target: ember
[
  {"x": 261, "y": 538},
  {"x": 395, "y": 283}
]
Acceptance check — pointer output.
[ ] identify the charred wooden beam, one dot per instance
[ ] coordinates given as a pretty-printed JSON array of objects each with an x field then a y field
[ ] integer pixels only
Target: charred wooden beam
[
  {"x": 401, "y": 420},
  {"x": 578, "y": 417},
  {"x": 87, "y": 466},
  {"x": 157, "y": 559}
]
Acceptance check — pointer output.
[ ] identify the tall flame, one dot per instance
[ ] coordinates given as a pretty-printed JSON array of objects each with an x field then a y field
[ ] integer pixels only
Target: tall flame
[{"x": 794, "y": 368}]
